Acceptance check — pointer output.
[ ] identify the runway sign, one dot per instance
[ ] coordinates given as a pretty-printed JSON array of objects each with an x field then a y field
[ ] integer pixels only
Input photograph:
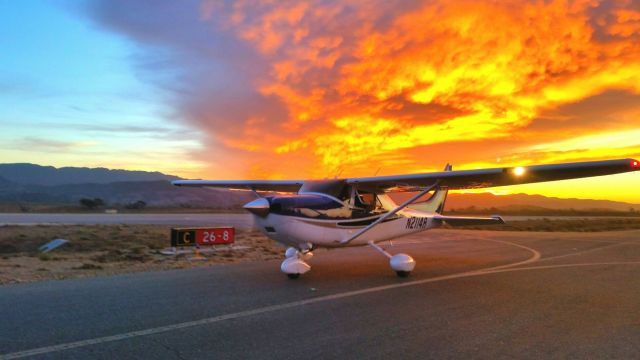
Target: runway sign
[
  {"x": 202, "y": 236},
  {"x": 52, "y": 245}
]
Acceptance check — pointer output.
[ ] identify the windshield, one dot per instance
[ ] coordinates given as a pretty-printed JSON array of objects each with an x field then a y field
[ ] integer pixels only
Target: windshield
[{"x": 312, "y": 206}]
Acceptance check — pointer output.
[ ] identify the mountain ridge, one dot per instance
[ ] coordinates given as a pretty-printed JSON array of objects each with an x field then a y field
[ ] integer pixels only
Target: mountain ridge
[
  {"x": 489, "y": 200},
  {"x": 41, "y": 184},
  {"x": 33, "y": 174}
]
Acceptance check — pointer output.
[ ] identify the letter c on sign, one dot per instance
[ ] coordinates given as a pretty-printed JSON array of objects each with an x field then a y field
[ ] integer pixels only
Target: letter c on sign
[{"x": 185, "y": 238}]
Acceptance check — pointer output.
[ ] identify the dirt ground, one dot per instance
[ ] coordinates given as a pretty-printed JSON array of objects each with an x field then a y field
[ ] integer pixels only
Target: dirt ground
[{"x": 97, "y": 250}]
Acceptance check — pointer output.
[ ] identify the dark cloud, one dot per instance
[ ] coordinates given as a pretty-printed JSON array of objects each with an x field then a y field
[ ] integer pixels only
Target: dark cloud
[
  {"x": 611, "y": 23},
  {"x": 596, "y": 113}
]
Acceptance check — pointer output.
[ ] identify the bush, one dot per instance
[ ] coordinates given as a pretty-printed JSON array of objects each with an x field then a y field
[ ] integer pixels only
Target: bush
[
  {"x": 91, "y": 203},
  {"x": 8, "y": 249},
  {"x": 87, "y": 266},
  {"x": 136, "y": 205}
]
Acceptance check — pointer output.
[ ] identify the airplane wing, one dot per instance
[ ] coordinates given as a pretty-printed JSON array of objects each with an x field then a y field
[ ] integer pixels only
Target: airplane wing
[
  {"x": 471, "y": 179},
  {"x": 257, "y": 185},
  {"x": 465, "y": 220},
  {"x": 464, "y": 179}
]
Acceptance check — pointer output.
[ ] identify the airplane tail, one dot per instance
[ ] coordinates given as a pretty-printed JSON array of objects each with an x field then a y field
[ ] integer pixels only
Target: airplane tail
[{"x": 435, "y": 204}]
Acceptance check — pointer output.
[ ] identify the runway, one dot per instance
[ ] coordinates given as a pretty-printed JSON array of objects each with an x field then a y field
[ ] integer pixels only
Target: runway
[
  {"x": 241, "y": 221},
  {"x": 474, "y": 294}
]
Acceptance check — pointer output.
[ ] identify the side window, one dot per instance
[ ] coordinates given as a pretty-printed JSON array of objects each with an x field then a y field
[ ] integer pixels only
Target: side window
[{"x": 368, "y": 202}]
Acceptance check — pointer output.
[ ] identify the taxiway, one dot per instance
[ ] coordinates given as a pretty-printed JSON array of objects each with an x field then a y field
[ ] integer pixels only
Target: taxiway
[{"x": 474, "y": 294}]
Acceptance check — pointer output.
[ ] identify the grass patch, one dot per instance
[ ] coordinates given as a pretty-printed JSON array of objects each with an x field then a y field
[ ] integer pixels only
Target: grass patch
[{"x": 87, "y": 266}]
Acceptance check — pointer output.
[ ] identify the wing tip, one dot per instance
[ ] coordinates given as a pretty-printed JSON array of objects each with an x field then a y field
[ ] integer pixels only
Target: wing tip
[{"x": 498, "y": 218}]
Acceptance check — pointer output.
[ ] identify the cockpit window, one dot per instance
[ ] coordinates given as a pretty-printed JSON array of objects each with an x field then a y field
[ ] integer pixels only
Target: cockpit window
[
  {"x": 316, "y": 202},
  {"x": 324, "y": 207},
  {"x": 313, "y": 206}
]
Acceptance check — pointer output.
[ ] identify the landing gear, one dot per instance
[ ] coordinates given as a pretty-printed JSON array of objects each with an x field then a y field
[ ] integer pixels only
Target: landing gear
[
  {"x": 402, "y": 264},
  {"x": 294, "y": 264}
]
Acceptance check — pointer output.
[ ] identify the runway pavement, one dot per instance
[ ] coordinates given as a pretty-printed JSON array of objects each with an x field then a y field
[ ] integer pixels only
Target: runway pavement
[
  {"x": 474, "y": 294},
  {"x": 242, "y": 221}
]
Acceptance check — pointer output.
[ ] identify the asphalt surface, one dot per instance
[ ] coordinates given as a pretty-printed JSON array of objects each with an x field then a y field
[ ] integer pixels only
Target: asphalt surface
[
  {"x": 474, "y": 294},
  {"x": 242, "y": 221}
]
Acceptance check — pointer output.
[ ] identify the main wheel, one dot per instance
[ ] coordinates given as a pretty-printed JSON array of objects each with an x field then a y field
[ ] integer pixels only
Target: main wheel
[
  {"x": 293, "y": 276},
  {"x": 403, "y": 274}
]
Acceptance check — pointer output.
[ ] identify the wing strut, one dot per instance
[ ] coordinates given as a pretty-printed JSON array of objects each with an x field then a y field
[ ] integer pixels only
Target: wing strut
[{"x": 390, "y": 213}]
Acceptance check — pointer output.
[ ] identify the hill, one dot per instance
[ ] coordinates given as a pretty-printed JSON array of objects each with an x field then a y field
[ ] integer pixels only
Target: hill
[
  {"x": 153, "y": 193},
  {"x": 29, "y": 183},
  {"x": 4, "y": 183},
  {"x": 516, "y": 204},
  {"x": 32, "y": 174},
  {"x": 522, "y": 201}
]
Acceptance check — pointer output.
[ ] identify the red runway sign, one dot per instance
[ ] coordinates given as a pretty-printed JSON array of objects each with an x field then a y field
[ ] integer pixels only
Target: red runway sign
[{"x": 202, "y": 236}]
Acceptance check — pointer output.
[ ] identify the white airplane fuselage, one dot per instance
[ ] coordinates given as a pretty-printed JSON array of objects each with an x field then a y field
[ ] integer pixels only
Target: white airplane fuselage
[{"x": 305, "y": 233}]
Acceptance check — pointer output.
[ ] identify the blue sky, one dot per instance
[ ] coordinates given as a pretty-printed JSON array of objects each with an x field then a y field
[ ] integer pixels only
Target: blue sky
[{"x": 70, "y": 95}]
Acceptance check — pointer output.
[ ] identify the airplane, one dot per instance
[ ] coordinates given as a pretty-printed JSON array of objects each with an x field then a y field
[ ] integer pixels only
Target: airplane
[{"x": 336, "y": 213}]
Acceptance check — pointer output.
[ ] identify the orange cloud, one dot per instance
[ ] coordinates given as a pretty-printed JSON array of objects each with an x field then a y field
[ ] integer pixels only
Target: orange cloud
[
  {"x": 312, "y": 89},
  {"x": 339, "y": 69}
]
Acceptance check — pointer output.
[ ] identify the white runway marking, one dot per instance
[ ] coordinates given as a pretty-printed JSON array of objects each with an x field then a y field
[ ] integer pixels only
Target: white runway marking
[
  {"x": 267, "y": 309},
  {"x": 588, "y": 250},
  {"x": 536, "y": 255}
]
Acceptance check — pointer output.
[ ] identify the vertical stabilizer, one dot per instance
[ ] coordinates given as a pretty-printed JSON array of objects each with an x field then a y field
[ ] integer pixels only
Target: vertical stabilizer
[{"x": 435, "y": 204}]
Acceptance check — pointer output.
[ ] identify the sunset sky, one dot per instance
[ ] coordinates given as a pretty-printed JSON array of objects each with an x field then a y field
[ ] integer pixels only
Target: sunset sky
[{"x": 313, "y": 89}]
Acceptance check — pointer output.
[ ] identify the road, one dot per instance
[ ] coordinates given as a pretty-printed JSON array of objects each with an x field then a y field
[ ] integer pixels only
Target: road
[{"x": 474, "y": 294}]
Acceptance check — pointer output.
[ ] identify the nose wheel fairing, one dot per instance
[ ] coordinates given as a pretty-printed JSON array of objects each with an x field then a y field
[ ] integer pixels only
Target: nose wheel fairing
[
  {"x": 294, "y": 266},
  {"x": 402, "y": 264},
  {"x": 294, "y": 263}
]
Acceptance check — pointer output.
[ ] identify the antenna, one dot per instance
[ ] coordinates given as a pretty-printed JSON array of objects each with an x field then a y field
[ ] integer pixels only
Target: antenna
[{"x": 377, "y": 171}]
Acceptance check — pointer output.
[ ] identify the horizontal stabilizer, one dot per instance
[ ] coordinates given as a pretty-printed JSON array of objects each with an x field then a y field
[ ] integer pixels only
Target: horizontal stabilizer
[{"x": 466, "y": 221}]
